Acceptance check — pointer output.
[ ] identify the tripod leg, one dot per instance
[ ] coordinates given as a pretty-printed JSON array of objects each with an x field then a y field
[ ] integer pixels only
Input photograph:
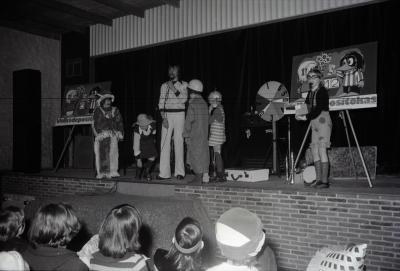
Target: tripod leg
[
  {"x": 359, "y": 150},
  {"x": 348, "y": 143},
  {"x": 302, "y": 145}
]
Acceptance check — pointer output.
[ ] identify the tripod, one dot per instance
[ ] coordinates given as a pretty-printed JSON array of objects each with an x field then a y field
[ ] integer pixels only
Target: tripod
[
  {"x": 276, "y": 154},
  {"x": 342, "y": 116}
]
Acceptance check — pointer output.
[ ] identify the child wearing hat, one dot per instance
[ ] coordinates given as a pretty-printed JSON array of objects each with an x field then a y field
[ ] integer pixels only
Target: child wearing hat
[
  {"x": 144, "y": 145},
  {"x": 241, "y": 238}
]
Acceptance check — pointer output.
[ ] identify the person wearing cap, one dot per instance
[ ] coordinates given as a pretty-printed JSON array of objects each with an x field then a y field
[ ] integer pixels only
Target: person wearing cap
[
  {"x": 196, "y": 132},
  {"x": 241, "y": 239},
  {"x": 144, "y": 146},
  {"x": 184, "y": 252},
  {"x": 172, "y": 101},
  {"x": 108, "y": 129},
  {"x": 317, "y": 102},
  {"x": 217, "y": 134}
]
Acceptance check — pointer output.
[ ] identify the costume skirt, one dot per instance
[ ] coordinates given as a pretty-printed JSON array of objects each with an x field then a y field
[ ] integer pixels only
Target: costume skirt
[{"x": 217, "y": 134}]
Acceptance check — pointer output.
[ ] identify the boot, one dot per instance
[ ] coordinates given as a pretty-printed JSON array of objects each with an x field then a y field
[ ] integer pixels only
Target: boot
[
  {"x": 318, "y": 174},
  {"x": 220, "y": 167},
  {"x": 148, "y": 170},
  {"x": 211, "y": 169},
  {"x": 325, "y": 173},
  {"x": 139, "y": 173}
]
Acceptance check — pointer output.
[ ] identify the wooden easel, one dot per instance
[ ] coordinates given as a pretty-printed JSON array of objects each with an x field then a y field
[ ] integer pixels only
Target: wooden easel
[{"x": 343, "y": 116}]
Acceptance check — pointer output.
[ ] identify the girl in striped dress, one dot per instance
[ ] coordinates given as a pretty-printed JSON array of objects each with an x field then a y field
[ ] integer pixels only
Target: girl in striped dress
[{"x": 217, "y": 134}]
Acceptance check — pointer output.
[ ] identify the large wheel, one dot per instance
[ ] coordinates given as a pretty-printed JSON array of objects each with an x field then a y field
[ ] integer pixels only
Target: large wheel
[{"x": 270, "y": 99}]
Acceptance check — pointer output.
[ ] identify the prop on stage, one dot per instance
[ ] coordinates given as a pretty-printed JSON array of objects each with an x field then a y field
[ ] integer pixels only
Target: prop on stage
[
  {"x": 247, "y": 175},
  {"x": 349, "y": 75},
  {"x": 78, "y": 105}
]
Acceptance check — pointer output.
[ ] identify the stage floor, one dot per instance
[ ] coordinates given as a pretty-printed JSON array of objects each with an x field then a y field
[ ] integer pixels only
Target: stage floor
[{"x": 382, "y": 184}]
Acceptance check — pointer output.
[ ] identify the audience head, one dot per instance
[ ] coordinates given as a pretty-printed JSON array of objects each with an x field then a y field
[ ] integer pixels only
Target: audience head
[
  {"x": 119, "y": 232},
  {"x": 186, "y": 244},
  {"x": 12, "y": 223},
  {"x": 240, "y": 235},
  {"x": 12, "y": 260},
  {"x": 54, "y": 225}
]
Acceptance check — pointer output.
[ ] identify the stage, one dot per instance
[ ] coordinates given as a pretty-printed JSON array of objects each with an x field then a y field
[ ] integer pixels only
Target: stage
[{"x": 297, "y": 220}]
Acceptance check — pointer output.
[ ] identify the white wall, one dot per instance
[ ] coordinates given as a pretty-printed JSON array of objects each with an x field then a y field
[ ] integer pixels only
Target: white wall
[
  {"x": 20, "y": 50},
  {"x": 200, "y": 17}
]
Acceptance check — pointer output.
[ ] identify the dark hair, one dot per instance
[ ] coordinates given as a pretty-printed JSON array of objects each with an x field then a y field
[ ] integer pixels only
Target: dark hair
[
  {"x": 316, "y": 71},
  {"x": 12, "y": 219},
  {"x": 54, "y": 225},
  {"x": 188, "y": 234},
  {"x": 119, "y": 232}
]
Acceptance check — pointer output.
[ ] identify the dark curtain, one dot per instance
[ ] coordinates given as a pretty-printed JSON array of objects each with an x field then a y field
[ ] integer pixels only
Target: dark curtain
[{"x": 237, "y": 63}]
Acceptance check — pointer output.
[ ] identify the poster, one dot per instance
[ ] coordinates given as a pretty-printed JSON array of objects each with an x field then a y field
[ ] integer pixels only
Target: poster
[
  {"x": 349, "y": 75},
  {"x": 78, "y": 103}
]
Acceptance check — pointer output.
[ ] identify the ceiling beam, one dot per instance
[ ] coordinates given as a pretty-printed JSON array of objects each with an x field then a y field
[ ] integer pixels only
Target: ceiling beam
[
  {"x": 174, "y": 3},
  {"x": 72, "y": 10},
  {"x": 122, "y": 6}
]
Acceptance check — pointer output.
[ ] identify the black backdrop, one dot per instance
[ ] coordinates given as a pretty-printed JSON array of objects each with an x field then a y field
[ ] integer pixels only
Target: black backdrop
[{"x": 237, "y": 63}]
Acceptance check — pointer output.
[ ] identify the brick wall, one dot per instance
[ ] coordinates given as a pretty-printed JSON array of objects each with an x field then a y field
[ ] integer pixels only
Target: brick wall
[
  {"x": 298, "y": 223},
  {"x": 48, "y": 187}
]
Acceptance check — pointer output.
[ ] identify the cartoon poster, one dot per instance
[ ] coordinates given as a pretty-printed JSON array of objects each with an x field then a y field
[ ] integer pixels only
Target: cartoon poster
[
  {"x": 79, "y": 102},
  {"x": 349, "y": 75}
]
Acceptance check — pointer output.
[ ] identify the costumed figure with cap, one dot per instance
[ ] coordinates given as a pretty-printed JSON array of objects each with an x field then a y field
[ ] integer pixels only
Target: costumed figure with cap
[
  {"x": 241, "y": 238},
  {"x": 108, "y": 129},
  {"x": 217, "y": 135},
  {"x": 317, "y": 102},
  {"x": 172, "y": 102},
  {"x": 144, "y": 145},
  {"x": 196, "y": 132},
  {"x": 185, "y": 250}
]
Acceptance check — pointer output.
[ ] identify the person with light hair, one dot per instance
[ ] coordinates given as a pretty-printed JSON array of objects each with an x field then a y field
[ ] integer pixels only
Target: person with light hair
[{"x": 217, "y": 135}]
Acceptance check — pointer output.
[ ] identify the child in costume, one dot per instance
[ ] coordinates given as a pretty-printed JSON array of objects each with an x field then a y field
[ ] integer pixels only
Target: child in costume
[
  {"x": 217, "y": 134},
  {"x": 144, "y": 145},
  {"x": 196, "y": 132},
  {"x": 241, "y": 238},
  {"x": 108, "y": 129}
]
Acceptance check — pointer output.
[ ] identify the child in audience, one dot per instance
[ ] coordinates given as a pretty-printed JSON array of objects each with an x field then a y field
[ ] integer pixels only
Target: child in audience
[
  {"x": 144, "y": 145},
  {"x": 185, "y": 249},
  {"x": 12, "y": 226},
  {"x": 116, "y": 245},
  {"x": 52, "y": 228},
  {"x": 240, "y": 237},
  {"x": 12, "y": 260}
]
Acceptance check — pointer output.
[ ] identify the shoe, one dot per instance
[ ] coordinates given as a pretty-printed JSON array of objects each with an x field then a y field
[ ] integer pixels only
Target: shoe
[
  {"x": 322, "y": 186},
  {"x": 316, "y": 183},
  {"x": 162, "y": 178},
  {"x": 180, "y": 177}
]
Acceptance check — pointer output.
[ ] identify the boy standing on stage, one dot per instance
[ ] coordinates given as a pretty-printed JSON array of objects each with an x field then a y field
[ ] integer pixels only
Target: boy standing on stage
[
  {"x": 173, "y": 96},
  {"x": 196, "y": 132}
]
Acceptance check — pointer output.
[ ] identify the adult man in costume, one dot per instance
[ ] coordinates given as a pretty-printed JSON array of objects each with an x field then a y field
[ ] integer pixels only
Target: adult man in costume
[
  {"x": 196, "y": 132},
  {"x": 108, "y": 129},
  {"x": 173, "y": 96}
]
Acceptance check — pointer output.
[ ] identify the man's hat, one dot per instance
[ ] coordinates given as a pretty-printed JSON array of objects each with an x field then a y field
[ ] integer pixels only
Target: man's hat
[
  {"x": 143, "y": 120},
  {"x": 239, "y": 234},
  {"x": 104, "y": 95}
]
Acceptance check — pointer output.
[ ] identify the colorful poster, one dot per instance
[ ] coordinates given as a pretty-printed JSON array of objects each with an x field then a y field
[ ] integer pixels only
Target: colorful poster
[
  {"x": 79, "y": 102},
  {"x": 349, "y": 75}
]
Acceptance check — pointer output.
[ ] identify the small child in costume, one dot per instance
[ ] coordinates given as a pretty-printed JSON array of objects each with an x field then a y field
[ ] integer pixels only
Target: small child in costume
[
  {"x": 241, "y": 238},
  {"x": 217, "y": 134},
  {"x": 144, "y": 145}
]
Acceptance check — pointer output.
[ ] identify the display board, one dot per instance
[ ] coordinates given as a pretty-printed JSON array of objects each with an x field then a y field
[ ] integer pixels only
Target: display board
[
  {"x": 349, "y": 75},
  {"x": 78, "y": 103}
]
